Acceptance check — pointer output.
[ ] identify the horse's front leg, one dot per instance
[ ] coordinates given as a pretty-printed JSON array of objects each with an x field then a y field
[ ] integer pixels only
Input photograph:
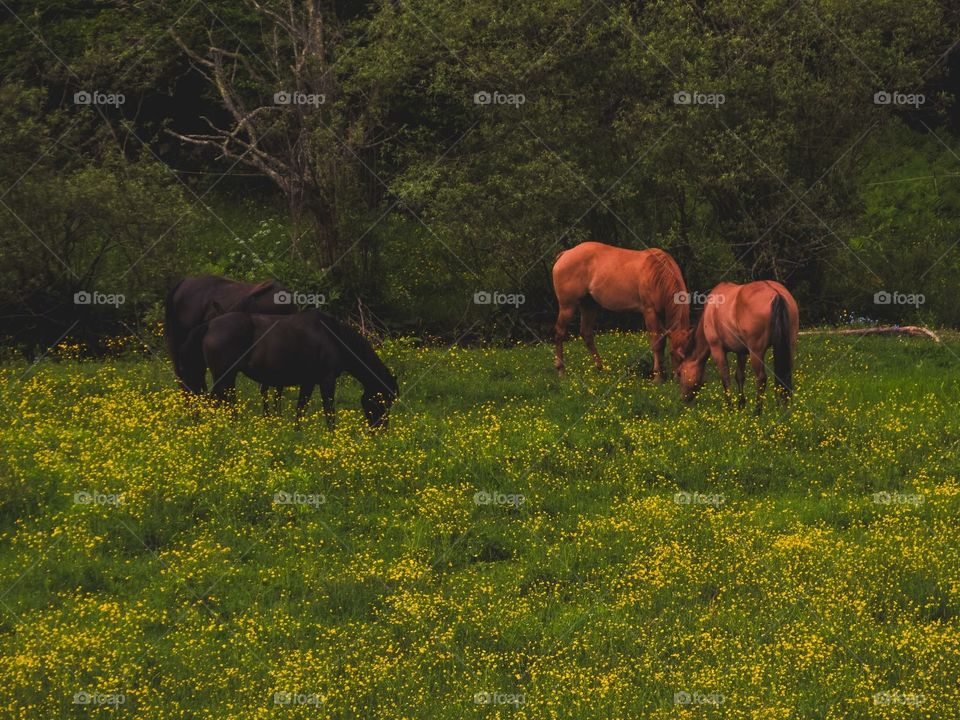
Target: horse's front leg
[
  {"x": 658, "y": 341},
  {"x": 264, "y": 391},
  {"x": 327, "y": 389},
  {"x": 305, "y": 392},
  {"x": 277, "y": 392},
  {"x": 224, "y": 386}
]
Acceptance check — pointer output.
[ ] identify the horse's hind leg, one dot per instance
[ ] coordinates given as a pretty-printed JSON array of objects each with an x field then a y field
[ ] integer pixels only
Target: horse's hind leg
[
  {"x": 277, "y": 392},
  {"x": 588, "y": 328},
  {"x": 760, "y": 370},
  {"x": 560, "y": 334},
  {"x": 741, "y": 365},
  {"x": 720, "y": 358}
]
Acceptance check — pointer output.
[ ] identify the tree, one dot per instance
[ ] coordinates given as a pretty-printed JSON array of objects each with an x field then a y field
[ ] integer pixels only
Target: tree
[{"x": 290, "y": 117}]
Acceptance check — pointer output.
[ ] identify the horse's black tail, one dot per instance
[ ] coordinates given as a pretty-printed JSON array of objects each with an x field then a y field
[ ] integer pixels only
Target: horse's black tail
[
  {"x": 191, "y": 363},
  {"x": 780, "y": 340},
  {"x": 173, "y": 331}
]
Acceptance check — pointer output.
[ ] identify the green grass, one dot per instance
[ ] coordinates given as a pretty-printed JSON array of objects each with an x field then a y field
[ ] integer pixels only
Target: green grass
[{"x": 794, "y": 595}]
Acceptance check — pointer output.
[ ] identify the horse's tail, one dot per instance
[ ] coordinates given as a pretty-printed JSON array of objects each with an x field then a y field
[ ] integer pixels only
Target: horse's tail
[
  {"x": 173, "y": 331},
  {"x": 191, "y": 363},
  {"x": 780, "y": 340}
]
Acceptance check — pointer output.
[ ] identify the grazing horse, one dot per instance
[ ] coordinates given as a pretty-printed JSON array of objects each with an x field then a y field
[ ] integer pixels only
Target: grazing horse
[
  {"x": 195, "y": 300},
  {"x": 593, "y": 275},
  {"x": 307, "y": 349},
  {"x": 746, "y": 320}
]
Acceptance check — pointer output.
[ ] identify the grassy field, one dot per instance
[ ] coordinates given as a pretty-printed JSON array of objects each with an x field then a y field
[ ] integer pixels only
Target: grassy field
[{"x": 514, "y": 546}]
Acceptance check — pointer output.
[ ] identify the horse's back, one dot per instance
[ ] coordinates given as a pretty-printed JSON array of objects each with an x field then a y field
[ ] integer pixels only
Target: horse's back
[
  {"x": 617, "y": 278},
  {"x": 199, "y": 298},
  {"x": 231, "y": 329},
  {"x": 759, "y": 295},
  {"x": 740, "y": 316}
]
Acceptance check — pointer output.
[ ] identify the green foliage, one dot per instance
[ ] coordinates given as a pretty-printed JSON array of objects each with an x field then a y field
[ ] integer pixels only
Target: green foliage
[
  {"x": 76, "y": 223},
  {"x": 403, "y": 192}
]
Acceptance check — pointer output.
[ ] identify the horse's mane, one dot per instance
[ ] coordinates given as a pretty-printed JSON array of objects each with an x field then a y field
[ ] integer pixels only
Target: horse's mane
[
  {"x": 668, "y": 278},
  {"x": 359, "y": 348}
]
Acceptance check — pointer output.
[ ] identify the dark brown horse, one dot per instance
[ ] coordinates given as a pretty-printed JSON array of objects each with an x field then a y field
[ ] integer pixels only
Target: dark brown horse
[
  {"x": 746, "y": 320},
  {"x": 593, "y": 275},
  {"x": 196, "y": 300},
  {"x": 306, "y": 350}
]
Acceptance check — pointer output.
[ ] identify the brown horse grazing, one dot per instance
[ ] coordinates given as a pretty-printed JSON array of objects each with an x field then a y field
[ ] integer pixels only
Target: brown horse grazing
[
  {"x": 196, "y": 300},
  {"x": 744, "y": 319},
  {"x": 593, "y": 275},
  {"x": 307, "y": 349}
]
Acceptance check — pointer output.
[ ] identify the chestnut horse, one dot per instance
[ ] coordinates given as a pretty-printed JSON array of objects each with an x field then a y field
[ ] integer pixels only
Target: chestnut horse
[
  {"x": 196, "y": 300},
  {"x": 746, "y": 320},
  {"x": 593, "y": 275}
]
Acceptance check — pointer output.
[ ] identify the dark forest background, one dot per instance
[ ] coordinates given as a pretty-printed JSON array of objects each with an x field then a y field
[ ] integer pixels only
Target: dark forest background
[{"x": 346, "y": 149}]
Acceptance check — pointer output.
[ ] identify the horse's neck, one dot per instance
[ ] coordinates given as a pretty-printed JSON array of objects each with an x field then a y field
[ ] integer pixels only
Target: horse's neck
[
  {"x": 367, "y": 371},
  {"x": 701, "y": 348},
  {"x": 676, "y": 314}
]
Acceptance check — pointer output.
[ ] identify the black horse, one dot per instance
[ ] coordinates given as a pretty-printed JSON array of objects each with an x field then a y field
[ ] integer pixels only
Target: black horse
[
  {"x": 196, "y": 300},
  {"x": 307, "y": 349}
]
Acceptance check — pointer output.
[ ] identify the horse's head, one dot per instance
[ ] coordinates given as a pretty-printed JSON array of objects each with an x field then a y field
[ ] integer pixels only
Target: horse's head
[
  {"x": 691, "y": 378},
  {"x": 376, "y": 403}
]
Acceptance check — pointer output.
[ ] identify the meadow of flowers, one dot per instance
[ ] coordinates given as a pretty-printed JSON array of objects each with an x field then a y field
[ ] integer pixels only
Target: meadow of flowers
[{"x": 514, "y": 546}]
